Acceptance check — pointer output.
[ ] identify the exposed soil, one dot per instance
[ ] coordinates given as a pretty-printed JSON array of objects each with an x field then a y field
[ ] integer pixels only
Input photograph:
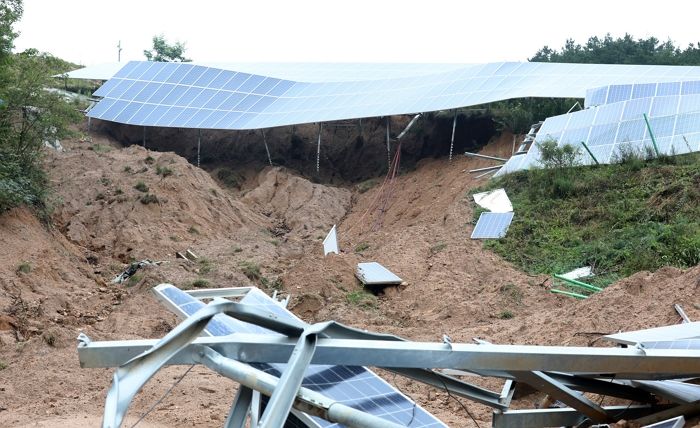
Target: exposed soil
[{"x": 55, "y": 280}]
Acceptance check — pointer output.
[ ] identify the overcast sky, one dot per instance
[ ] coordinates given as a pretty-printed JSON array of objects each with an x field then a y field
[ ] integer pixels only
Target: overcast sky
[{"x": 87, "y": 31}]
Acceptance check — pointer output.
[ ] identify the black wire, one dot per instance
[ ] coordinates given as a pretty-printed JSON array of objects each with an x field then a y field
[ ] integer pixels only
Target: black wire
[
  {"x": 413, "y": 410},
  {"x": 449, "y": 395},
  {"x": 163, "y": 397}
]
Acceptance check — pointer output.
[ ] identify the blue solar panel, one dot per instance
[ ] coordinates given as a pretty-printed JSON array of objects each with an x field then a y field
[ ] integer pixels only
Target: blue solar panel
[
  {"x": 375, "y": 90},
  {"x": 686, "y": 344},
  {"x": 356, "y": 387},
  {"x": 492, "y": 225}
]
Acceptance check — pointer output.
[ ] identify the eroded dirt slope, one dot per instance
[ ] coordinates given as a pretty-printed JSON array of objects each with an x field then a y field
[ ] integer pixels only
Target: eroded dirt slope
[{"x": 268, "y": 234}]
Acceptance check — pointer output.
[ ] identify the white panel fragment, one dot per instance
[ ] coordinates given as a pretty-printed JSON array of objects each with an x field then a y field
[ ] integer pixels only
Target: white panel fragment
[
  {"x": 582, "y": 272},
  {"x": 372, "y": 273},
  {"x": 330, "y": 244},
  {"x": 495, "y": 201}
]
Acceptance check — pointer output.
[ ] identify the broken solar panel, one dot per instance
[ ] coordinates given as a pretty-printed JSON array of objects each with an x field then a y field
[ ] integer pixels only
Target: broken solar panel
[
  {"x": 372, "y": 273},
  {"x": 678, "y": 422},
  {"x": 492, "y": 225},
  {"x": 674, "y": 332},
  {"x": 186, "y": 95},
  {"x": 353, "y": 386}
]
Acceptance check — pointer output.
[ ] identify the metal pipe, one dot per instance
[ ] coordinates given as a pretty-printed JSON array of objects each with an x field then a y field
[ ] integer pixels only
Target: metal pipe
[
  {"x": 579, "y": 284},
  {"x": 568, "y": 293},
  {"x": 199, "y": 146},
  {"x": 488, "y": 168},
  {"x": 305, "y": 400},
  {"x": 583, "y": 143},
  {"x": 318, "y": 148},
  {"x": 410, "y": 124},
  {"x": 681, "y": 312},
  {"x": 388, "y": 142},
  {"x": 484, "y": 174},
  {"x": 651, "y": 134},
  {"x": 452, "y": 139},
  {"x": 267, "y": 149},
  {"x": 477, "y": 155}
]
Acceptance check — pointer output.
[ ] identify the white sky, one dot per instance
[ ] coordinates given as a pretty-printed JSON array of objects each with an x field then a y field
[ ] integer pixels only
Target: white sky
[{"x": 87, "y": 31}]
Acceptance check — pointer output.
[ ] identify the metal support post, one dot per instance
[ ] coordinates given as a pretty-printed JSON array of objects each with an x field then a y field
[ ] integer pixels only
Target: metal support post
[
  {"x": 651, "y": 134},
  {"x": 409, "y": 126},
  {"x": 89, "y": 123},
  {"x": 199, "y": 146},
  {"x": 144, "y": 137},
  {"x": 585, "y": 146},
  {"x": 318, "y": 148},
  {"x": 452, "y": 140},
  {"x": 388, "y": 142},
  {"x": 239, "y": 410},
  {"x": 267, "y": 149}
]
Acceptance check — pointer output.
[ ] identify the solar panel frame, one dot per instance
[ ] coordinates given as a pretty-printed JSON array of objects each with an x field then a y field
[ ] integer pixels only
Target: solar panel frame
[
  {"x": 360, "y": 387},
  {"x": 492, "y": 225}
]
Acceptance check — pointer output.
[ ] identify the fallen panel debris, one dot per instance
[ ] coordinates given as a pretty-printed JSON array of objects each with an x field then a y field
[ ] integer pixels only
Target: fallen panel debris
[
  {"x": 492, "y": 225},
  {"x": 372, "y": 273},
  {"x": 689, "y": 330},
  {"x": 131, "y": 270},
  {"x": 495, "y": 201},
  {"x": 330, "y": 244}
]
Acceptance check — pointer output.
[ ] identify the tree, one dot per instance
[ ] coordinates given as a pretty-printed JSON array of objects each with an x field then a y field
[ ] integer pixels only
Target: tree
[
  {"x": 165, "y": 52},
  {"x": 29, "y": 115}
]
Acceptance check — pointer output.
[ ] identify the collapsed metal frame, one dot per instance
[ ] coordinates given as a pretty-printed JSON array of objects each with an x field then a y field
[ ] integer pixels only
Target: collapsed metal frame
[{"x": 564, "y": 373}]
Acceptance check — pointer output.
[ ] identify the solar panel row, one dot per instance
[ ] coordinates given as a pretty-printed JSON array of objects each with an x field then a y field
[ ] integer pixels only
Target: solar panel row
[
  {"x": 492, "y": 225},
  {"x": 193, "y": 96},
  {"x": 356, "y": 387}
]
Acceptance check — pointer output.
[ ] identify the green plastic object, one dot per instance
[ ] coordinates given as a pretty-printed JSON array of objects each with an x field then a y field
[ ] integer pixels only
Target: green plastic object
[
  {"x": 579, "y": 284},
  {"x": 590, "y": 153},
  {"x": 651, "y": 133},
  {"x": 568, "y": 293}
]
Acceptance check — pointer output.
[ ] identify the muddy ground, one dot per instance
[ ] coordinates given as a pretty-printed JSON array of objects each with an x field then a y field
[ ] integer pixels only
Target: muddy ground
[{"x": 55, "y": 278}]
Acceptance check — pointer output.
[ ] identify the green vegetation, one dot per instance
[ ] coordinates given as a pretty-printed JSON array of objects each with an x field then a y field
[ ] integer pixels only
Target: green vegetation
[
  {"x": 29, "y": 115},
  {"x": 621, "y": 218},
  {"x": 134, "y": 279},
  {"x": 506, "y": 315},
  {"x": 164, "y": 171},
  {"x": 362, "y": 246},
  {"x": 3, "y": 365},
  {"x": 141, "y": 187},
  {"x": 237, "y": 249},
  {"x": 49, "y": 338},
  {"x": 166, "y": 52},
  {"x": 100, "y": 148},
  {"x": 250, "y": 270},
  {"x": 127, "y": 168},
  {"x": 205, "y": 265},
  {"x": 200, "y": 283},
  {"x": 367, "y": 184},
  {"x": 437, "y": 248},
  {"x": 362, "y": 299},
  {"x": 512, "y": 292},
  {"x": 229, "y": 178},
  {"x": 149, "y": 198},
  {"x": 149, "y": 160},
  {"x": 24, "y": 267},
  {"x": 193, "y": 230},
  {"x": 273, "y": 284}
]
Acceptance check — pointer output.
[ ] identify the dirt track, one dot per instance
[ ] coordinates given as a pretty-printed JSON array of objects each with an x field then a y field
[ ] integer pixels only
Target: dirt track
[{"x": 276, "y": 222}]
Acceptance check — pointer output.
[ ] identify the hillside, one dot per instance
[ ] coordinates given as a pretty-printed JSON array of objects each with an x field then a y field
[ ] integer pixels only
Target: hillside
[{"x": 55, "y": 280}]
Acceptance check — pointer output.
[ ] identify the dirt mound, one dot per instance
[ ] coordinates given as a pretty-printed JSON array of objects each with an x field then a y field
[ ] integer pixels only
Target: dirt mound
[
  {"x": 298, "y": 204},
  {"x": 134, "y": 203}
]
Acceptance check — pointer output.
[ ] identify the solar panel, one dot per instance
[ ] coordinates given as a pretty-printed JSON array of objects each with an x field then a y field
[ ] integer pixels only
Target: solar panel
[
  {"x": 685, "y": 344},
  {"x": 666, "y": 333},
  {"x": 171, "y": 95},
  {"x": 357, "y": 387},
  {"x": 492, "y": 225},
  {"x": 372, "y": 273},
  {"x": 678, "y": 422}
]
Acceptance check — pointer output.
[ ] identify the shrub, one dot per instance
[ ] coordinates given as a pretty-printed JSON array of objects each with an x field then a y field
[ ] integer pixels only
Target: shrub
[
  {"x": 164, "y": 171},
  {"x": 149, "y": 160},
  {"x": 506, "y": 315},
  {"x": 251, "y": 270},
  {"x": 200, "y": 283},
  {"x": 553, "y": 156},
  {"x": 362, "y": 299},
  {"x": 24, "y": 267},
  {"x": 149, "y": 198},
  {"x": 141, "y": 187}
]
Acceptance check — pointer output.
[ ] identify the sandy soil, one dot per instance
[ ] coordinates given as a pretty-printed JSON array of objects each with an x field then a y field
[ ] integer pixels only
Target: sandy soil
[{"x": 277, "y": 221}]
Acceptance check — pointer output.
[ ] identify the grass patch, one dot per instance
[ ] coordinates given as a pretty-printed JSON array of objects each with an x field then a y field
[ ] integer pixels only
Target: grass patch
[
  {"x": 200, "y": 283},
  {"x": 506, "y": 315},
  {"x": 141, "y": 187},
  {"x": 127, "y": 168},
  {"x": 205, "y": 265},
  {"x": 24, "y": 267},
  {"x": 362, "y": 246},
  {"x": 619, "y": 218},
  {"x": 100, "y": 148},
  {"x": 149, "y": 160},
  {"x": 237, "y": 250},
  {"x": 193, "y": 230},
  {"x": 134, "y": 279},
  {"x": 251, "y": 270},
  {"x": 437, "y": 248},
  {"x": 362, "y": 299},
  {"x": 512, "y": 292},
  {"x": 3, "y": 365},
  {"x": 273, "y": 284},
  {"x": 367, "y": 184},
  {"x": 164, "y": 171},
  {"x": 149, "y": 198}
]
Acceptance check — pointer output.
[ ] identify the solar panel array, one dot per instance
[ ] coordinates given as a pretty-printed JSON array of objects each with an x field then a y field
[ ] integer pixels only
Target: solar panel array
[
  {"x": 615, "y": 128},
  {"x": 356, "y": 387},
  {"x": 194, "y": 96},
  {"x": 492, "y": 225}
]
